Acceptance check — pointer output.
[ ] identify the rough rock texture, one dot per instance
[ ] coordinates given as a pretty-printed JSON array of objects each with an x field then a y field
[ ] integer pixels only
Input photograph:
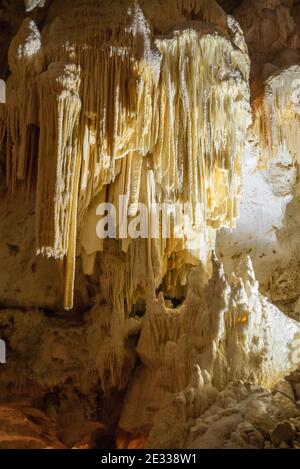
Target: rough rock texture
[
  {"x": 126, "y": 131},
  {"x": 268, "y": 225},
  {"x": 242, "y": 416},
  {"x": 23, "y": 427},
  {"x": 153, "y": 341},
  {"x": 225, "y": 330}
]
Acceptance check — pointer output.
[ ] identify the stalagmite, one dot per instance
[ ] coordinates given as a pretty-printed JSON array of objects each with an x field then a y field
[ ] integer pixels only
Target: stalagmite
[{"x": 224, "y": 329}]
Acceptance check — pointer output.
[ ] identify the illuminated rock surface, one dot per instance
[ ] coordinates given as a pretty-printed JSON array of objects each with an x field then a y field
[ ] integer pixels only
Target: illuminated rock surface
[{"x": 154, "y": 342}]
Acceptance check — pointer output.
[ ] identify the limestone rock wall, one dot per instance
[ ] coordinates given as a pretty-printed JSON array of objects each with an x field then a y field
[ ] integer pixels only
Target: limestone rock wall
[{"x": 153, "y": 342}]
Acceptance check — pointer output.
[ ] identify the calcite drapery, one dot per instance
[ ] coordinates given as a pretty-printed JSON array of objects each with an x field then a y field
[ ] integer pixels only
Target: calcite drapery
[
  {"x": 271, "y": 29},
  {"x": 154, "y": 110},
  {"x": 277, "y": 113},
  {"x": 151, "y": 101}
]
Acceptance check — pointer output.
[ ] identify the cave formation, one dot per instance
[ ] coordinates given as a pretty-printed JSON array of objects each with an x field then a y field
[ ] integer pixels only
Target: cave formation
[{"x": 183, "y": 338}]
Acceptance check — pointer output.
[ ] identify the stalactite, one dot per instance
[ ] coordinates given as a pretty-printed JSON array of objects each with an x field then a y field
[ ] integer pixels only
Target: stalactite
[
  {"x": 157, "y": 118},
  {"x": 277, "y": 114}
]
